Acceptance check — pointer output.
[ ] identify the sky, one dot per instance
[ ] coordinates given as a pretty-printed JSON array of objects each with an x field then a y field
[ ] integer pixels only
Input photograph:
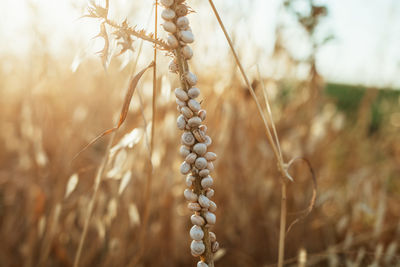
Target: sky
[{"x": 365, "y": 49}]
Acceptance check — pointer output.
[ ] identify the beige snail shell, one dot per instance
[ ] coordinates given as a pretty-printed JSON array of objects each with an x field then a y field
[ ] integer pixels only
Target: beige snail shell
[
  {"x": 212, "y": 236},
  {"x": 187, "y": 112},
  {"x": 167, "y": 3},
  {"x": 210, "y": 166},
  {"x": 180, "y": 103},
  {"x": 187, "y": 139},
  {"x": 191, "y": 79},
  {"x": 204, "y": 201},
  {"x": 182, "y": 22},
  {"x": 185, "y": 168},
  {"x": 202, "y": 264},
  {"x": 187, "y": 52},
  {"x": 196, "y": 233},
  {"x": 172, "y": 41},
  {"x": 213, "y": 206},
  {"x": 200, "y": 163},
  {"x": 210, "y": 218},
  {"x": 197, "y": 220},
  {"x": 199, "y": 135},
  {"x": 204, "y": 173},
  {"x": 200, "y": 149},
  {"x": 215, "y": 247},
  {"x": 207, "y": 182},
  {"x": 210, "y": 192},
  {"x": 194, "y": 206},
  {"x": 202, "y": 114},
  {"x": 186, "y": 36},
  {"x": 191, "y": 158},
  {"x": 169, "y": 26},
  {"x": 181, "y": 10},
  {"x": 210, "y": 156},
  {"x": 194, "y": 121},
  {"x": 194, "y": 105},
  {"x": 181, "y": 122},
  {"x": 184, "y": 151},
  {"x": 208, "y": 140}
]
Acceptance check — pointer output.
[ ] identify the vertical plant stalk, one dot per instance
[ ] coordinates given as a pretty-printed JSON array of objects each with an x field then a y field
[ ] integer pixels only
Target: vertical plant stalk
[
  {"x": 282, "y": 167},
  {"x": 198, "y": 163}
]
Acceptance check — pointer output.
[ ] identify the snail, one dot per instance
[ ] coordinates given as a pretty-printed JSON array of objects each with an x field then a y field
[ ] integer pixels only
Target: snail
[
  {"x": 200, "y": 148},
  {"x": 209, "y": 192},
  {"x": 193, "y": 92},
  {"x": 169, "y": 27},
  {"x": 182, "y": 22},
  {"x": 210, "y": 156},
  {"x": 187, "y": 52},
  {"x": 200, "y": 163},
  {"x": 190, "y": 195},
  {"x": 187, "y": 138},
  {"x": 181, "y": 10},
  {"x": 168, "y": 14},
  {"x": 207, "y": 182},
  {"x": 181, "y": 94},
  {"x": 187, "y": 112},
  {"x": 186, "y": 36},
  {"x": 204, "y": 173},
  {"x": 213, "y": 206},
  {"x": 191, "y": 78},
  {"x": 191, "y": 158},
  {"x": 197, "y": 220},
  {"x": 181, "y": 122},
  {"x": 194, "y": 121},
  {"x": 197, "y": 247},
  {"x": 185, "y": 168},
  {"x": 194, "y": 105},
  {"x": 210, "y": 218},
  {"x": 194, "y": 206},
  {"x": 202, "y": 114},
  {"x": 202, "y": 264},
  {"x": 172, "y": 41},
  {"x": 196, "y": 233},
  {"x": 167, "y": 3},
  {"x": 184, "y": 151},
  {"x": 204, "y": 201}
]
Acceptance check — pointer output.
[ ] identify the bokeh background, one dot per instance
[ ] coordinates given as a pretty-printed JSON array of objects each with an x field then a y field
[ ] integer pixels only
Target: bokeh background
[{"x": 331, "y": 69}]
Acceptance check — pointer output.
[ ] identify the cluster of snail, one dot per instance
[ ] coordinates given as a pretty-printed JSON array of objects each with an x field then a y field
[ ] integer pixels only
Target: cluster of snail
[{"x": 198, "y": 163}]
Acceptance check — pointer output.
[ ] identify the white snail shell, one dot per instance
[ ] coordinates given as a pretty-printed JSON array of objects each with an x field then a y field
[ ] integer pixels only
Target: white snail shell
[
  {"x": 194, "y": 206},
  {"x": 184, "y": 151},
  {"x": 193, "y": 92},
  {"x": 182, "y": 22},
  {"x": 210, "y": 156},
  {"x": 209, "y": 192},
  {"x": 167, "y": 3},
  {"x": 210, "y": 166},
  {"x": 180, "y": 103},
  {"x": 204, "y": 173},
  {"x": 213, "y": 206},
  {"x": 203, "y": 128},
  {"x": 197, "y": 247},
  {"x": 172, "y": 41},
  {"x": 200, "y": 149},
  {"x": 181, "y": 10},
  {"x": 194, "y": 105},
  {"x": 186, "y": 36},
  {"x": 207, "y": 182},
  {"x": 210, "y": 218},
  {"x": 199, "y": 135},
  {"x": 189, "y": 180},
  {"x": 189, "y": 195},
  {"x": 169, "y": 26},
  {"x": 187, "y": 52},
  {"x": 191, "y": 158},
  {"x": 187, "y": 112},
  {"x": 191, "y": 79},
  {"x": 181, "y": 122},
  {"x": 215, "y": 247},
  {"x": 185, "y": 168},
  {"x": 202, "y": 114},
  {"x": 197, "y": 220},
  {"x": 212, "y": 236},
  {"x": 196, "y": 233},
  {"x": 194, "y": 121},
  {"x": 181, "y": 94},
  {"x": 200, "y": 163},
  {"x": 187, "y": 138},
  {"x": 204, "y": 201},
  {"x": 208, "y": 140},
  {"x": 168, "y": 14},
  {"x": 202, "y": 264}
]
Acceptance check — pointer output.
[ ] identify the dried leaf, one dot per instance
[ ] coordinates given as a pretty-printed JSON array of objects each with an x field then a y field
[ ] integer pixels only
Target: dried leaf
[
  {"x": 124, "y": 182},
  {"x": 71, "y": 185}
]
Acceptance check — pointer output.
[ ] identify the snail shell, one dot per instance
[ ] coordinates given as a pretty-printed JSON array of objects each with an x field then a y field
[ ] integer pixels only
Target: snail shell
[
  {"x": 193, "y": 92},
  {"x": 203, "y": 128},
  {"x": 173, "y": 67},
  {"x": 215, "y": 247},
  {"x": 172, "y": 41},
  {"x": 194, "y": 206},
  {"x": 191, "y": 158},
  {"x": 210, "y": 166},
  {"x": 212, "y": 236},
  {"x": 187, "y": 139},
  {"x": 180, "y": 103},
  {"x": 168, "y": 14},
  {"x": 167, "y": 3},
  {"x": 207, "y": 182},
  {"x": 204, "y": 173},
  {"x": 186, "y": 36},
  {"x": 194, "y": 122},
  {"x": 200, "y": 149},
  {"x": 204, "y": 201},
  {"x": 184, "y": 151},
  {"x": 181, "y": 94},
  {"x": 200, "y": 163},
  {"x": 182, "y": 22},
  {"x": 213, "y": 206},
  {"x": 181, "y": 122},
  {"x": 189, "y": 195},
  {"x": 210, "y": 156},
  {"x": 202, "y": 264},
  {"x": 197, "y": 220},
  {"x": 199, "y": 135},
  {"x": 187, "y": 52},
  {"x": 187, "y": 112},
  {"x": 194, "y": 105},
  {"x": 196, "y": 233},
  {"x": 191, "y": 79},
  {"x": 181, "y": 10},
  {"x": 209, "y": 192},
  {"x": 208, "y": 140},
  {"x": 202, "y": 114},
  {"x": 210, "y": 218},
  {"x": 185, "y": 168},
  {"x": 189, "y": 180},
  {"x": 197, "y": 248},
  {"x": 169, "y": 26}
]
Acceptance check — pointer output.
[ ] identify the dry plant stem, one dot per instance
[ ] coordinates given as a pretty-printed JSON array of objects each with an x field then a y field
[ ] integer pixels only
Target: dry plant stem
[
  {"x": 281, "y": 164},
  {"x": 97, "y": 183},
  {"x": 282, "y": 227}
]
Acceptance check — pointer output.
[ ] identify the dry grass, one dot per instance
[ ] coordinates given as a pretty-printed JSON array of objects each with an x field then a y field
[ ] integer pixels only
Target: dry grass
[{"x": 48, "y": 113}]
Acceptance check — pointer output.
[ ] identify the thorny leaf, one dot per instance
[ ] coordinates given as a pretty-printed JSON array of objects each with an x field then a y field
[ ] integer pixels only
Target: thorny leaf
[
  {"x": 124, "y": 110},
  {"x": 97, "y": 11},
  {"x": 104, "y": 53},
  {"x": 314, "y": 195}
]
